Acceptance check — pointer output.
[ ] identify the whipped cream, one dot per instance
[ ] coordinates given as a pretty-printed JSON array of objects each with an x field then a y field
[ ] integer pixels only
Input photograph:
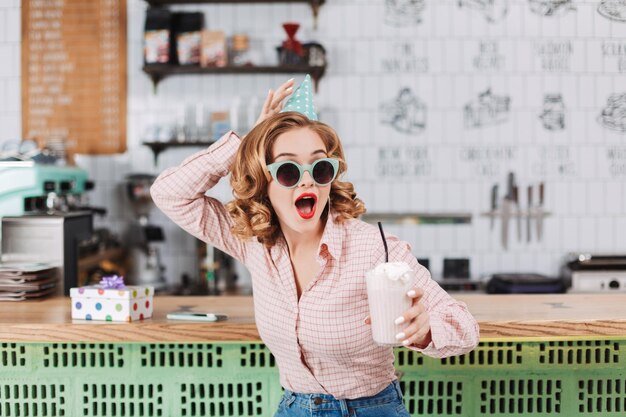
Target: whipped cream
[{"x": 399, "y": 272}]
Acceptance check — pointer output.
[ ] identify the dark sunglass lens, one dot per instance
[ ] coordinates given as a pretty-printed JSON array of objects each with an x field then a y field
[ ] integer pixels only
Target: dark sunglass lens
[
  {"x": 288, "y": 175},
  {"x": 323, "y": 172}
]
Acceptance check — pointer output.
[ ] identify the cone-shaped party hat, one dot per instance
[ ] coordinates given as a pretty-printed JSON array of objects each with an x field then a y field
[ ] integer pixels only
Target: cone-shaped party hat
[{"x": 302, "y": 100}]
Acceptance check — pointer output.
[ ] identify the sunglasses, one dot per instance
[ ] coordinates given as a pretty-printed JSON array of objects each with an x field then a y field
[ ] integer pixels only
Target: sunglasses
[{"x": 289, "y": 173}]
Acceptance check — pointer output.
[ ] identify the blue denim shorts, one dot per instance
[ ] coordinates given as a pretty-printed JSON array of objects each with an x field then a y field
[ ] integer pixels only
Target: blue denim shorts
[{"x": 387, "y": 403}]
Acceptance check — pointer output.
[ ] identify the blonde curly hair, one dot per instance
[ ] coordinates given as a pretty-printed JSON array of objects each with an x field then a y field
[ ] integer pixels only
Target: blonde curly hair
[{"x": 251, "y": 210}]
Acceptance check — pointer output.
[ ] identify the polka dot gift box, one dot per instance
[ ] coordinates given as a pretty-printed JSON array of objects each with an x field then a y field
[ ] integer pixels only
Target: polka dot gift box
[{"x": 111, "y": 300}]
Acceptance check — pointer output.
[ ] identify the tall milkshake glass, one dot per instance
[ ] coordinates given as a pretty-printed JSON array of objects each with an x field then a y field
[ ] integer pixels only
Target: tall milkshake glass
[{"x": 387, "y": 285}]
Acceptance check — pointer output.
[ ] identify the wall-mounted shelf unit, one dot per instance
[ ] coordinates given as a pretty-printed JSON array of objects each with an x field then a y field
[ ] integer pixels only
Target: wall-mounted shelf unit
[
  {"x": 159, "y": 71},
  {"x": 315, "y": 4},
  {"x": 423, "y": 218},
  {"x": 158, "y": 147}
]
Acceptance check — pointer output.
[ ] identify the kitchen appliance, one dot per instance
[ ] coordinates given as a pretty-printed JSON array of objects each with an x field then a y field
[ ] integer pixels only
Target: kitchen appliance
[
  {"x": 28, "y": 187},
  {"x": 44, "y": 214},
  {"x": 587, "y": 273},
  {"x": 143, "y": 238},
  {"x": 524, "y": 283},
  {"x": 457, "y": 276},
  {"x": 50, "y": 238}
]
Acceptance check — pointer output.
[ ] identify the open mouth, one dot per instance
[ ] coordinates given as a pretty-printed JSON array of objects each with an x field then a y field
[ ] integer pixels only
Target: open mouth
[{"x": 305, "y": 205}]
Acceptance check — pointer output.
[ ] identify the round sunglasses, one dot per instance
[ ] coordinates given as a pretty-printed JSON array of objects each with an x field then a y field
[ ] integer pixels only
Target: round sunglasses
[{"x": 289, "y": 173}]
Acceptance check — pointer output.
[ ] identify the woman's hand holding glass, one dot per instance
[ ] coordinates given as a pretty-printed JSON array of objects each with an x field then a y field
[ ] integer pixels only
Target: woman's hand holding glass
[{"x": 417, "y": 333}]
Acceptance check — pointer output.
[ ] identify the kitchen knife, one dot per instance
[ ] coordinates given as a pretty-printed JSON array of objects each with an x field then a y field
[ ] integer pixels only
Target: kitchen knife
[
  {"x": 518, "y": 213},
  {"x": 540, "y": 211},
  {"x": 505, "y": 212},
  {"x": 530, "y": 213},
  {"x": 494, "y": 205},
  {"x": 510, "y": 183},
  {"x": 507, "y": 207}
]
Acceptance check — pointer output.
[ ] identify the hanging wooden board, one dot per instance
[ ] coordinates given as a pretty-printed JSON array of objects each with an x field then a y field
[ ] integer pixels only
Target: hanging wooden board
[{"x": 74, "y": 74}]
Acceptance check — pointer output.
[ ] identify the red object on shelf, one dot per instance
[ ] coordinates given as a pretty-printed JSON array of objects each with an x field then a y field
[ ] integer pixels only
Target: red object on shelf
[{"x": 292, "y": 44}]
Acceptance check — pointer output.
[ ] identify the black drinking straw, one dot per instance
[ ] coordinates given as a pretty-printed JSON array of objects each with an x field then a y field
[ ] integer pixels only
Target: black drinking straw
[{"x": 380, "y": 226}]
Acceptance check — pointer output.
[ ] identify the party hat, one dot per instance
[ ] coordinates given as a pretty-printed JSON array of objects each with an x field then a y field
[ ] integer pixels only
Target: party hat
[{"x": 302, "y": 100}]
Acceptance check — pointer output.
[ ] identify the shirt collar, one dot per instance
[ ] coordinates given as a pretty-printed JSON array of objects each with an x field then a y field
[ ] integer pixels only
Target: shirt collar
[{"x": 332, "y": 237}]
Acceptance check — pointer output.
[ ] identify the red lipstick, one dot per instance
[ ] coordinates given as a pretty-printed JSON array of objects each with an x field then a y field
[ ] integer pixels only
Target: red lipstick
[{"x": 306, "y": 204}]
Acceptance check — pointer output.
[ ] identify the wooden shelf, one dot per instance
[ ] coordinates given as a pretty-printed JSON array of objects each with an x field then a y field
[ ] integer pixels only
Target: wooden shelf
[
  {"x": 159, "y": 71},
  {"x": 315, "y": 4},
  {"x": 158, "y": 147},
  {"x": 172, "y": 2}
]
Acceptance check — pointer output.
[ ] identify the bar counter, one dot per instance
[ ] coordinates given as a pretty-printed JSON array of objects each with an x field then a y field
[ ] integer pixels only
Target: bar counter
[
  {"x": 501, "y": 317},
  {"x": 539, "y": 355}
]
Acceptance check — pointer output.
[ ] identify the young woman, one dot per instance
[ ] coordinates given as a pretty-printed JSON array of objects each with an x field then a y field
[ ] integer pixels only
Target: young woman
[{"x": 293, "y": 223}]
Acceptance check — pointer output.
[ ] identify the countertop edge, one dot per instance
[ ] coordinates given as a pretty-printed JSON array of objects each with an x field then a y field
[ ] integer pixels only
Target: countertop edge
[{"x": 510, "y": 318}]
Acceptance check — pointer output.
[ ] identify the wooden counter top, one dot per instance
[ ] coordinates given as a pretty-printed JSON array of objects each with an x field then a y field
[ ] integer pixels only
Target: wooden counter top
[{"x": 501, "y": 317}]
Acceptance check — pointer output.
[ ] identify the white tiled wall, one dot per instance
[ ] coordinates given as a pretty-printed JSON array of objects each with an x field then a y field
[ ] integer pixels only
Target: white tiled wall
[
  {"x": 586, "y": 191},
  {"x": 10, "y": 119}
]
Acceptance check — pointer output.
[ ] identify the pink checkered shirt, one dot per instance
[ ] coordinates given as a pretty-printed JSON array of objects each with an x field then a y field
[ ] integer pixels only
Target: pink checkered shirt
[{"x": 320, "y": 341}]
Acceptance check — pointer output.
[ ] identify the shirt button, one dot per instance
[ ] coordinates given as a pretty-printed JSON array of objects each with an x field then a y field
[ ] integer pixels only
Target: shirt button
[{"x": 317, "y": 401}]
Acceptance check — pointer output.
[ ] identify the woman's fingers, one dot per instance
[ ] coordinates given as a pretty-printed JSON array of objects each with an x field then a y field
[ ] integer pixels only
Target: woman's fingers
[
  {"x": 282, "y": 92},
  {"x": 416, "y": 294},
  {"x": 268, "y": 102},
  {"x": 274, "y": 101},
  {"x": 418, "y": 328},
  {"x": 416, "y": 325}
]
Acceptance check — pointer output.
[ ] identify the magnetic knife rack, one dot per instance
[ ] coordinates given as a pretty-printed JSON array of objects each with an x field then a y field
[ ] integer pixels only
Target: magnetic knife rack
[
  {"x": 510, "y": 210},
  {"x": 537, "y": 214}
]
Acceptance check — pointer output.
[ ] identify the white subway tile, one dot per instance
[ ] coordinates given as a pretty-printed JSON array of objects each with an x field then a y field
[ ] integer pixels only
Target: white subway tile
[
  {"x": 464, "y": 238},
  {"x": 606, "y": 235},
  {"x": 13, "y": 97},
  {"x": 571, "y": 234},
  {"x": 11, "y": 126},
  {"x": 3, "y": 25},
  {"x": 3, "y": 95},
  {"x": 13, "y": 25},
  {"x": 613, "y": 198}
]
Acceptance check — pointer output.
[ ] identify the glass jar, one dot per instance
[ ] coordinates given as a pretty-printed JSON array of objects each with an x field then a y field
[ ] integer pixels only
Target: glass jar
[{"x": 240, "y": 50}]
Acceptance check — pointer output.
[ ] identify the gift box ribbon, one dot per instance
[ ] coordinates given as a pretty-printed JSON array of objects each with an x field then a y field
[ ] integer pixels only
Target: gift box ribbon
[{"x": 114, "y": 282}]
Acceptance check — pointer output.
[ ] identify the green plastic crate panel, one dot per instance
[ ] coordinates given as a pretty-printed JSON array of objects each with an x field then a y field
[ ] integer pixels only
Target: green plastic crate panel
[
  {"x": 83, "y": 356},
  {"x": 27, "y": 397},
  {"x": 122, "y": 399},
  {"x": 223, "y": 399},
  {"x": 181, "y": 356},
  {"x": 12, "y": 355},
  {"x": 552, "y": 378},
  {"x": 427, "y": 397}
]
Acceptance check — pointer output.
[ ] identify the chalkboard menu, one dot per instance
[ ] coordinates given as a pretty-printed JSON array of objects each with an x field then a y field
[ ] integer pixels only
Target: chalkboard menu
[{"x": 74, "y": 74}]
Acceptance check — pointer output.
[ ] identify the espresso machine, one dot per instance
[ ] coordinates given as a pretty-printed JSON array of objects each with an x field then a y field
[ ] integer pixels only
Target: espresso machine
[
  {"x": 28, "y": 187},
  {"x": 44, "y": 217},
  {"x": 143, "y": 238}
]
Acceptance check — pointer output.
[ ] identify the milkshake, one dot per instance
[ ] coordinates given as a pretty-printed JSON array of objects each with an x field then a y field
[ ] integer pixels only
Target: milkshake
[{"x": 387, "y": 285}]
